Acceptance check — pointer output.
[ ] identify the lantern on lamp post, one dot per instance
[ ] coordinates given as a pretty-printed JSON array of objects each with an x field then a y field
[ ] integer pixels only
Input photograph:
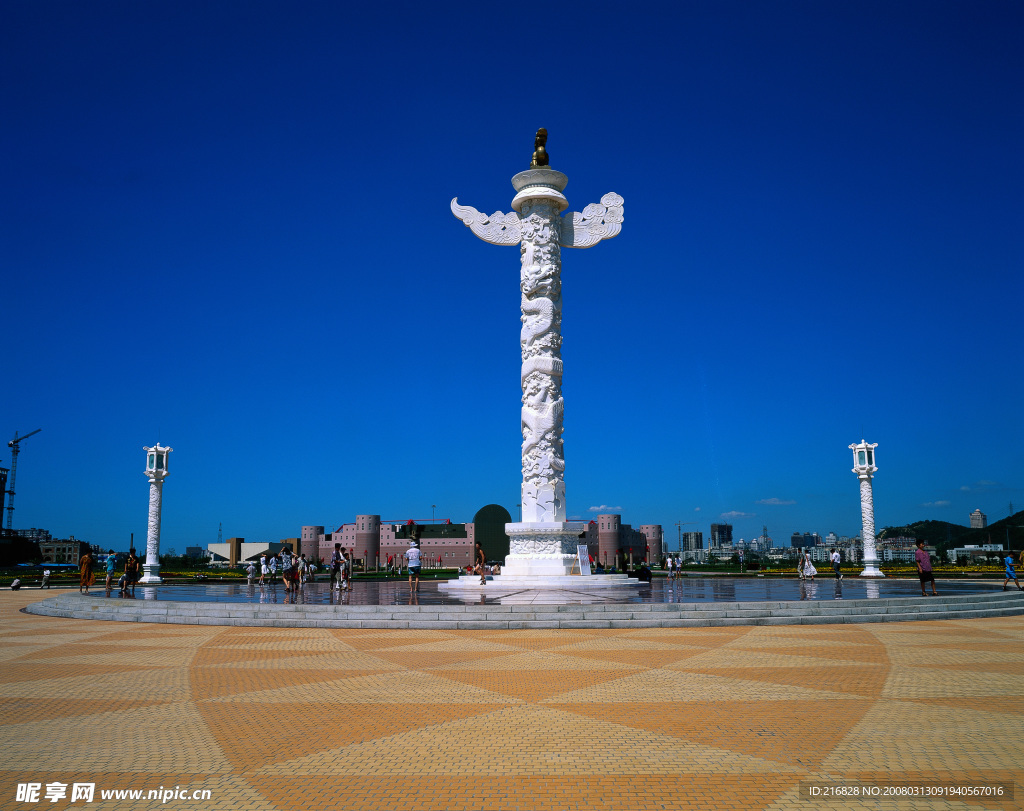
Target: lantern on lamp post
[
  {"x": 864, "y": 467},
  {"x": 156, "y": 469}
]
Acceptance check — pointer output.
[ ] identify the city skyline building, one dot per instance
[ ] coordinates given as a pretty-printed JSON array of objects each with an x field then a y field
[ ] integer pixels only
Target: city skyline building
[{"x": 721, "y": 535}]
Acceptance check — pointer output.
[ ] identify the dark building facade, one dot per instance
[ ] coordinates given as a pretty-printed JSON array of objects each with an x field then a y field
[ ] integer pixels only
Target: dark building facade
[{"x": 721, "y": 535}]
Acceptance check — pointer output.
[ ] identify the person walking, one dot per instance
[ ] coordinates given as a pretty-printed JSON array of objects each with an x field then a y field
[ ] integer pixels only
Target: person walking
[
  {"x": 800, "y": 566},
  {"x": 302, "y": 569},
  {"x": 45, "y": 584},
  {"x": 413, "y": 556},
  {"x": 273, "y": 568},
  {"x": 1011, "y": 573},
  {"x": 264, "y": 569},
  {"x": 924, "y": 568},
  {"x": 250, "y": 573},
  {"x": 669, "y": 566},
  {"x": 837, "y": 561},
  {"x": 481, "y": 562}
]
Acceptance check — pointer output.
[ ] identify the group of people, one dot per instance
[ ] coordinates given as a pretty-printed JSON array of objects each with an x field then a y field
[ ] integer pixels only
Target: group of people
[
  {"x": 674, "y": 566},
  {"x": 295, "y": 570},
  {"x": 86, "y": 576}
]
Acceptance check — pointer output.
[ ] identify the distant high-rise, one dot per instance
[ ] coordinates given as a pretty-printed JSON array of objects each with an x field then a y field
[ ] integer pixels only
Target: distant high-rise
[
  {"x": 978, "y": 520},
  {"x": 806, "y": 541},
  {"x": 693, "y": 541},
  {"x": 721, "y": 535}
]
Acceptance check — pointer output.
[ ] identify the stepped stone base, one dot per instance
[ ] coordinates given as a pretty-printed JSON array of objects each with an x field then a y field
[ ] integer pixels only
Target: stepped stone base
[
  {"x": 539, "y": 582},
  {"x": 532, "y": 615}
]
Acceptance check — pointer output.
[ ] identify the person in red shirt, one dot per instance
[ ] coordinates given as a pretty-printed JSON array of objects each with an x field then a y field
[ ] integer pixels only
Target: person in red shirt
[{"x": 924, "y": 569}]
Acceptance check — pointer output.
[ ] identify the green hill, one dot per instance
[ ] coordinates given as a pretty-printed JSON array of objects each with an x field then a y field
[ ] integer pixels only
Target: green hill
[{"x": 944, "y": 535}]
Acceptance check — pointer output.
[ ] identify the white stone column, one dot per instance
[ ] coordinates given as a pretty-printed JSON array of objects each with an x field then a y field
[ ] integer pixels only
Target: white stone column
[
  {"x": 543, "y": 543},
  {"x": 864, "y": 467},
  {"x": 156, "y": 469}
]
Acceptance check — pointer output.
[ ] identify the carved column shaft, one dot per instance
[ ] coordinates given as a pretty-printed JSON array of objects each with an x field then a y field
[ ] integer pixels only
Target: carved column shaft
[
  {"x": 151, "y": 568},
  {"x": 543, "y": 542},
  {"x": 867, "y": 516},
  {"x": 543, "y": 488}
]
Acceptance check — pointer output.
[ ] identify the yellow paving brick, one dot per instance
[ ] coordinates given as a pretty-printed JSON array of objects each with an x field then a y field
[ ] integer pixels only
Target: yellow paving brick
[{"x": 294, "y": 719}]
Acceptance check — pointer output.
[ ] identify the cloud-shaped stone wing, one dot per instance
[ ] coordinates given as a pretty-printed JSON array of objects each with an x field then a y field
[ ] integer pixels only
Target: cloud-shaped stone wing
[
  {"x": 498, "y": 229},
  {"x": 598, "y": 221}
]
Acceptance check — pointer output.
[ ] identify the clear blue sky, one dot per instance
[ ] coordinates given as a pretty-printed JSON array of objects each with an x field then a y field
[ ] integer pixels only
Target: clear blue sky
[{"x": 225, "y": 226}]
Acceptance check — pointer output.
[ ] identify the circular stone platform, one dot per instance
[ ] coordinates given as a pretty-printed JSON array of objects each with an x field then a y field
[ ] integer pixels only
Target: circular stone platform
[{"x": 691, "y": 602}]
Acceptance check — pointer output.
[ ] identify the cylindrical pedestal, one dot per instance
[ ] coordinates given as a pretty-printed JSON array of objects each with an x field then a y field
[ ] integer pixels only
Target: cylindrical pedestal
[
  {"x": 151, "y": 568},
  {"x": 867, "y": 515},
  {"x": 542, "y": 549}
]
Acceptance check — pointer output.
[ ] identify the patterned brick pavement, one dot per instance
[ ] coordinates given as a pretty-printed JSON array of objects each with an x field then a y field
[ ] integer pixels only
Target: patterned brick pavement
[{"x": 724, "y": 718}]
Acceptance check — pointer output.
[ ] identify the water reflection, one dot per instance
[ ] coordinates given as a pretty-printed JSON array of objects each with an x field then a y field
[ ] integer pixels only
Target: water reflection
[{"x": 661, "y": 590}]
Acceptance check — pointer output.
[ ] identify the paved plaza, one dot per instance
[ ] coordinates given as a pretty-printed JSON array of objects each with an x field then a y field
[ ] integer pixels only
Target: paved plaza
[{"x": 708, "y": 718}]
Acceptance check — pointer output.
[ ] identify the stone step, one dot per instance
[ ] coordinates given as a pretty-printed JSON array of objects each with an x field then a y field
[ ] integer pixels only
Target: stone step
[{"x": 482, "y": 617}]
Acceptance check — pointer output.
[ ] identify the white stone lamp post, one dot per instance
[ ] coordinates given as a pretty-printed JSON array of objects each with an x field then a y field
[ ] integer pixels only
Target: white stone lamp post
[
  {"x": 864, "y": 467},
  {"x": 156, "y": 470},
  {"x": 543, "y": 543}
]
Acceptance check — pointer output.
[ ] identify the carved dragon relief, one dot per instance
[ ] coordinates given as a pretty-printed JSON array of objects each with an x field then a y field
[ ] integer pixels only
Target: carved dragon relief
[{"x": 541, "y": 233}]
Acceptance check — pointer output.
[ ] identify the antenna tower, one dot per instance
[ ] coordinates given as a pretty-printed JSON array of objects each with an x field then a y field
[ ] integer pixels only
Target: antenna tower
[{"x": 14, "y": 445}]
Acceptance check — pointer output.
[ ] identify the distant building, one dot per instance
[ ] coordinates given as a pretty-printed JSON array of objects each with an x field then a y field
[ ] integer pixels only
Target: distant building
[
  {"x": 234, "y": 551},
  {"x": 693, "y": 542},
  {"x": 973, "y": 552},
  {"x": 653, "y": 534},
  {"x": 62, "y": 551},
  {"x": 310, "y": 541},
  {"x": 451, "y": 545},
  {"x": 37, "y": 535},
  {"x": 446, "y": 545},
  {"x": 611, "y": 541},
  {"x": 721, "y": 535},
  {"x": 978, "y": 520},
  {"x": 806, "y": 541}
]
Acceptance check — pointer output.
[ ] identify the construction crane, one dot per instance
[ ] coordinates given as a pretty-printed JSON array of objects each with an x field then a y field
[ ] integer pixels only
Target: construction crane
[{"x": 15, "y": 446}]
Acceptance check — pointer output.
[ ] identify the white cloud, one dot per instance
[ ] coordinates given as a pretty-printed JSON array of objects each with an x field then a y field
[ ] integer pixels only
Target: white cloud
[
  {"x": 696, "y": 509},
  {"x": 604, "y": 508},
  {"x": 965, "y": 488},
  {"x": 986, "y": 483},
  {"x": 776, "y": 502},
  {"x": 939, "y": 503},
  {"x": 736, "y": 514}
]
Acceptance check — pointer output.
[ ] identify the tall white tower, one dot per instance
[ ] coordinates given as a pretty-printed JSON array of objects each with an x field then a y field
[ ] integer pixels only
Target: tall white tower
[
  {"x": 543, "y": 543},
  {"x": 864, "y": 467},
  {"x": 156, "y": 470}
]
